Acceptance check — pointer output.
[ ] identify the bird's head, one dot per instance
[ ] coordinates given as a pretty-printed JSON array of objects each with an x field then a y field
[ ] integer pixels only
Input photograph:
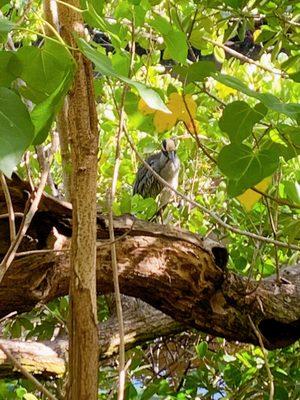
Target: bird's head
[{"x": 169, "y": 147}]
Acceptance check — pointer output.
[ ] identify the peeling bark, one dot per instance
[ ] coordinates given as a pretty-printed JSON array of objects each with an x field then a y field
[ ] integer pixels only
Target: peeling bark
[
  {"x": 173, "y": 270},
  {"x": 47, "y": 358}
]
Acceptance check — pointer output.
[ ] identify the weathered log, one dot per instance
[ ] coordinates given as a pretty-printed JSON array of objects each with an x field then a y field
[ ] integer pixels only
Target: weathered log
[
  {"x": 173, "y": 270},
  {"x": 47, "y": 358}
]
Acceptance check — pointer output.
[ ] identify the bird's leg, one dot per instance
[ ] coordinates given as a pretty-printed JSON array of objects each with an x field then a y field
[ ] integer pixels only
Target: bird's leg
[
  {"x": 160, "y": 211},
  {"x": 158, "y": 214}
]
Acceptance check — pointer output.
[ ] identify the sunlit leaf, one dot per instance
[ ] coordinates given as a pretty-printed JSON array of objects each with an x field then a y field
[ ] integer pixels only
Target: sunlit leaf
[
  {"x": 268, "y": 99},
  {"x": 6, "y": 76},
  {"x": 16, "y": 130},
  {"x": 292, "y": 190},
  {"x": 42, "y": 69},
  {"x": 250, "y": 197},
  {"x": 201, "y": 349},
  {"x": 238, "y": 119},
  {"x": 244, "y": 167},
  {"x": 103, "y": 65},
  {"x": 43, "y": 114},
  {"x": 5, "y": 27}
]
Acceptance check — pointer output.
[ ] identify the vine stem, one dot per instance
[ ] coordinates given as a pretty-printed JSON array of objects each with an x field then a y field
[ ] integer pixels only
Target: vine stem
[
  {"x": 261, "y": 343},
  {"x": 241, "y": 57},
  {"x": 114, "y": 261},
  {"x": 10, "y": 209}
]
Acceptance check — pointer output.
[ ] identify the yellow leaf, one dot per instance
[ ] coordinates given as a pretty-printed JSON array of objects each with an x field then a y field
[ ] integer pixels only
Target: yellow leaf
[
  {"x": 144, "y": 108},
  {"x": 223, "y": 90},
  {"x": 256, "y": 34},
  {"x": 183, "y": 109},
  {"x": 163, "y": 121},
  {"x": 193, "y": 126},
  {"x": 249, "y": 197}
]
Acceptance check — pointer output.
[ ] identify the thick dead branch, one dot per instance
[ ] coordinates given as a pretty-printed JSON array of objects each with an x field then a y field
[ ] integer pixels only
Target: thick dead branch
[
  {"x": 173, "y": 270},
  {"x": 48, "y": 358}
]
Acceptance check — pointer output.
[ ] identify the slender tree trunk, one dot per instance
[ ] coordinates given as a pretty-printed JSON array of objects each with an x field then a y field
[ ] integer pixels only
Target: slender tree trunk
[
  {"x": 82, "y": 125},
  {"x": 62, "y": 125},
  {"x": 63, "y": 132}
]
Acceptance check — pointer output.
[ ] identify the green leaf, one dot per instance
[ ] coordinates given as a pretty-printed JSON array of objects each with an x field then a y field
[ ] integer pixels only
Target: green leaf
[
  {"x": 43, "y": 69},
  {"x": 29, "y": 396},
  {"x": 292, "y": 67},
  {"x": 197, "y": 72},
  {"x": 143, "y": 208},
  {"x": 161, "y": 25},
  {"x": 228, "y": 358},
  {"x": 245, "y": 168},
  {"x": 16, "y": 130},
  {"x": 292, "y": 190},
  {"x": 5, "y": 27},
  {"x": 268, "y": 99},
  {"x": 20, "y": 392},
  {"x": 103, "y": 65},
  {"x": 43, "y": 114},
  {"x": 3, "y": 3},
  {"x": 150, "y": 391},
  {"x": 176, "y": 45},
  {"x": 201, "y": 349},
  {"x": 175, "y": 40},
  {"x": 6, "y": 59},
  {"x": 16, "y": 329},
  {"x": 219, "y": 53},
  {"x": 235, "y": 3},
  {"x": 95, "y": 20},
  {"x": 239, "y": 118},
  {"x": 131, "y": 392}
]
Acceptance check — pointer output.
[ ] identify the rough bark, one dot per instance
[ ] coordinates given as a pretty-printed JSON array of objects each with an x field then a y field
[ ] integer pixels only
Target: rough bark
[
  {"x": 173, "y": 270},
  {"x": 82, "y": 124},
  {"x": 48, "y": 358},
  {"x": 63, "y": 132},
  {"x": 62, "y": 123}
]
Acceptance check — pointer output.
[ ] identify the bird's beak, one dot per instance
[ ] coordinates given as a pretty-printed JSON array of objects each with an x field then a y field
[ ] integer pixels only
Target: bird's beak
[{"x": 172, "y": 156}]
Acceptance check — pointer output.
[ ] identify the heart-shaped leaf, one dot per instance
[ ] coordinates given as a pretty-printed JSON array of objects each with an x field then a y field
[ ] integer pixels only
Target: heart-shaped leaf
[
  {"x": 16, "y": 130},
  {"x": 239, "y": 118}
]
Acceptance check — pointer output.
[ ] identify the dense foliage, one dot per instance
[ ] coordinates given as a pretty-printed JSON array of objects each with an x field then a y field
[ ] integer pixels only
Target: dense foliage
[{"x": 222, "y": 77}]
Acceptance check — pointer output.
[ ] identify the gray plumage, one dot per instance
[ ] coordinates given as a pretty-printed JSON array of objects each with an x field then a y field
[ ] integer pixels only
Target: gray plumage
[{"x": 166, "y": 164}]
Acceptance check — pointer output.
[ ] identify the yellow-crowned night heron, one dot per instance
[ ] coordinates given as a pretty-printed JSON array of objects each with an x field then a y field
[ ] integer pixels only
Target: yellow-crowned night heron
[{"x": 166, "y": 164}]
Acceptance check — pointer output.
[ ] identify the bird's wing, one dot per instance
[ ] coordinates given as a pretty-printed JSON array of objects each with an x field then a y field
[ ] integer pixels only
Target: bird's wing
[{"x": 146, "y": 184}]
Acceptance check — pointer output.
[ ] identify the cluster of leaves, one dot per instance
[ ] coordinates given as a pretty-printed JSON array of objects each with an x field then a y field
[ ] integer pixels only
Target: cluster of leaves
[
  {"x": 179, "y": 84},
  {"x": 216, "y": 370}
]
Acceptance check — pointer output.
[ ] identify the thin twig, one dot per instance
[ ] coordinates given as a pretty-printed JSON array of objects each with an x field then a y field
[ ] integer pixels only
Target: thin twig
[
  {"x": 261, "y": 343},
  {"x": 241, "y": 57},
  {"x": 7, "y": 316},
  {"x": 274, "y": 230},
  {"x": 6, "y": 215},
  {"x": 98, "y": 245},
  {"x": 122, "y": 366},
  {"x": 60, "y": 320},
  {"x": 10, "y": 209},
  {"x": 195, "y": 133},
  {"x": 45, "y": 251},
  {"x": 281, "y": 202},
  {"x": 27, "y": 374},
  {"x": 204, "y": 90},
  {"x": 27, "y": 166},
  {"x": 206, "y": 210}
]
